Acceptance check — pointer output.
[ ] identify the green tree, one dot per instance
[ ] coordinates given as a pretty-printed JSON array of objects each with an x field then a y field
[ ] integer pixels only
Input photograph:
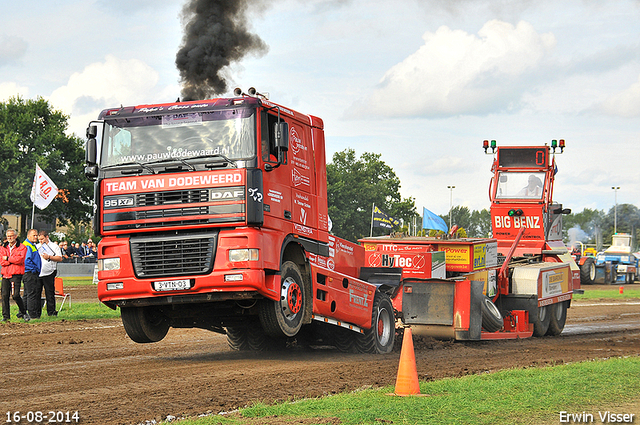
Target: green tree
[
  {"x": 625, "y": 218},
  {"x": 31, "y": 133},
  {"x": 585, "y": 226},
  {"x": 480, "y": 226},
  {"x": 354, "y": 185}
]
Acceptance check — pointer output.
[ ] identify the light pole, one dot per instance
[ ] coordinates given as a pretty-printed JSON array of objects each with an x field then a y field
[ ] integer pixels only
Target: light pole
[
  {"x": 615, "y": 209},
  {"x": 450, "y": 202}
]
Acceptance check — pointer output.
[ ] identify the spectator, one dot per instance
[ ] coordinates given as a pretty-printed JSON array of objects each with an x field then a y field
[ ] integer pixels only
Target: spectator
[
  {"x": 12, "y": 256},
  {"x": 64, "y": 250},
  {"x": 92, "y": 252},
  {"x": 32, "y": 266},
  {"x": 50, "y": 255}
]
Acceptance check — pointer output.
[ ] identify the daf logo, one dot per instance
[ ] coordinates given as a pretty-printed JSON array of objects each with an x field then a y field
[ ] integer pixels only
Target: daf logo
[{"x": 227, "y": 194}]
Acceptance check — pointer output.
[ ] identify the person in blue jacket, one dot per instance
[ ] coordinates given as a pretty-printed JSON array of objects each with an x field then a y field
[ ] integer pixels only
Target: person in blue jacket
[{"x": 32, "y": 266}]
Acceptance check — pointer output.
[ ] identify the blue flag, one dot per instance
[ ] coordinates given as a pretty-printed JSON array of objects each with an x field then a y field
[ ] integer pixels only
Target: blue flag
[{"x": 432, "y": 221}]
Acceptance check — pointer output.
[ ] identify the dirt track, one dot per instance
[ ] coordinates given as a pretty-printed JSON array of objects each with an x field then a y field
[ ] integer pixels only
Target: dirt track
[{"x": 92, "y": 366}]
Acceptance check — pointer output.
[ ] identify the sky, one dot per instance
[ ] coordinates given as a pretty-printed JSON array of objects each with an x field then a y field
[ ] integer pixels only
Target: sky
[{"x": 421, "y": 82}]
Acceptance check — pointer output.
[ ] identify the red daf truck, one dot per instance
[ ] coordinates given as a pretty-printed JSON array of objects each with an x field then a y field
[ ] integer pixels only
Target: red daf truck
[{"x": 213, "y": 215}]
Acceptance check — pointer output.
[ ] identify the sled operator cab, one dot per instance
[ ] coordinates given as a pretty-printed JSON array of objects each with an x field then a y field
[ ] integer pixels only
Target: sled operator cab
[{"x": 521, "y": 194}]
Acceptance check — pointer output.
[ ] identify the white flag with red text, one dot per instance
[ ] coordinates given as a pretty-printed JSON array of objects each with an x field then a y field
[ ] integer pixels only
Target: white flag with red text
[{"x": 43, "y": 189}]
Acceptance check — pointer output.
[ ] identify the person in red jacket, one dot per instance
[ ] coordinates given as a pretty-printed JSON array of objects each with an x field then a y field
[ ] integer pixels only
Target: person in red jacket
[{"x": 12, "y": 256}]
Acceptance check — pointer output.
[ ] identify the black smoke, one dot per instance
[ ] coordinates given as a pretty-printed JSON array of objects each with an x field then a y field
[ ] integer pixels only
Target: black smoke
[{"x": 216, "y": 35}]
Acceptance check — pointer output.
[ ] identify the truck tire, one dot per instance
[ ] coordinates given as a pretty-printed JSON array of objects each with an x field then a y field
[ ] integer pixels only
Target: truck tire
[
  {"x": 631, "y": 277},
  {"x": 238, "y": 338},
  {"x": 541, "y": 321},
  {"x": 588, "y": 272},
  {"x": 284, "y": 317},
  {"x": 379, "y": 339},
  {"x": 343, "y": 339},
  {"x": 144, "y": 324},
  {"x": 491, "y": 317},
  {"x": 557, "y": 318}
]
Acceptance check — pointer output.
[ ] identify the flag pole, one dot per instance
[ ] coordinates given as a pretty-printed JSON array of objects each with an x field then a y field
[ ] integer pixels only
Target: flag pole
[
  {"x": 373, "y": 207},
  {"x": 33, "y": 213}
]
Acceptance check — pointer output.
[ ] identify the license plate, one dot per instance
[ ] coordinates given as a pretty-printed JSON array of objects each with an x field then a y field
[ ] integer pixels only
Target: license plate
[{"x": 172, "y": 285}]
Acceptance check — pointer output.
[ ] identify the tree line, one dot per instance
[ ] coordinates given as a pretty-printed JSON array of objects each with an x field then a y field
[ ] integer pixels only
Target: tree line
[
  {"x": 354, "y": 184},
  {"x": 32, "y": 132}
]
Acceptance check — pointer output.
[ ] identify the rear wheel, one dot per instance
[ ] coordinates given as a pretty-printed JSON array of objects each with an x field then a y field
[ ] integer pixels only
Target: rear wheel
[
  {"x": 238, "y": 338},
  {"x": 541, "y": 321},
  {"x": 379, "y": 339},
  {"x": 588, "y": 272},
  {"x": 557, "y": 318},
  {"x": 144, "y": 324},
  {"x": 284, "y": 317},
  {"x": 344, "y": 339}
]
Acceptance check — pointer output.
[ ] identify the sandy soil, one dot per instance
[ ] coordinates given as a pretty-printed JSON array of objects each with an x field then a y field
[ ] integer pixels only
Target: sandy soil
[{"x": 93, "y": 367}]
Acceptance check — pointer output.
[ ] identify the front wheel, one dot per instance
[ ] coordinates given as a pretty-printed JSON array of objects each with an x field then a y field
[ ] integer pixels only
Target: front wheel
[
  {"x": 491, "y": 317},
  {"x": 144, "y": 324},
  {"x": 284, "y": 317},
  {"x": 379, "y": 339}
]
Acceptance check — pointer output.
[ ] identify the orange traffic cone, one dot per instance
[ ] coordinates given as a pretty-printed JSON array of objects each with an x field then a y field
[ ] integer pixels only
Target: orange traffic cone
[{"x": 407, "y": 378}]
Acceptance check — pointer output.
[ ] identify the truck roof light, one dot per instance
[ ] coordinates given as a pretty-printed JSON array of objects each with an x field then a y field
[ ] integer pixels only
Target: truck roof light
[{"x": 485, "y": 146}]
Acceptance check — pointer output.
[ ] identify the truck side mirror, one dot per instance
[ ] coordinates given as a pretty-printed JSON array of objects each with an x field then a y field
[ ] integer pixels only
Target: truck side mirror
[
  {"x": 91, "y": 168},
  {"x": 282, "y": 136}
]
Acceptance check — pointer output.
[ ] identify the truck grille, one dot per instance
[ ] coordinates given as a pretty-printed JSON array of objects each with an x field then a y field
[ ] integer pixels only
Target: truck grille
[
  {"x": 172, "y": 197},
  {"x": 174, "y": 255}
]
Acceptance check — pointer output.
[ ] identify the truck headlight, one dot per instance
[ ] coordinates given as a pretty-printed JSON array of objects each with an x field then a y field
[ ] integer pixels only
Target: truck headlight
[
  {"x": 108, "y": 264},
  {"x": 245, "y": 254}
]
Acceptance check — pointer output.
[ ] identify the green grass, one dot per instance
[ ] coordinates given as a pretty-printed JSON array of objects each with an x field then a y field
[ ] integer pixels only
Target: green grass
[
  {"x": 73, "y": 311},
  {"x": 629, "y": 291},
  {"x": 518, "y": 396},
  {"x": 77, "y": 281}
]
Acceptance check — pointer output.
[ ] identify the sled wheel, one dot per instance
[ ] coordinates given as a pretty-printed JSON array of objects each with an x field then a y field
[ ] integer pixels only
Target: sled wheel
[
  {"x": 491, "y": 317},
  {"x": 284, "y": 317},
  {"x": 541, "y": 321},
  {"x": 379, "y": 339},
  {"x": 144, "y": 324},
  {"x": 588, "y": 272},
  {"x": 558, "y": 317}
]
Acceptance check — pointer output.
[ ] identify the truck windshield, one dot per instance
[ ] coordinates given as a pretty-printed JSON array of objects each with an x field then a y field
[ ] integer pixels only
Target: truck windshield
[
  {"x": 147, "y": 139},
  {"x": 519, "y": 185}
]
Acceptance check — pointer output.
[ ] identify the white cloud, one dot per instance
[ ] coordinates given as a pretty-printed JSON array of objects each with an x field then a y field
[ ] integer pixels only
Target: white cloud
[
  {"x": 11, "y": 89},
  {"x": 457, "y": 73},
  {"x": 625, "y": 103},
  {"x": 107, "y": 84}
]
